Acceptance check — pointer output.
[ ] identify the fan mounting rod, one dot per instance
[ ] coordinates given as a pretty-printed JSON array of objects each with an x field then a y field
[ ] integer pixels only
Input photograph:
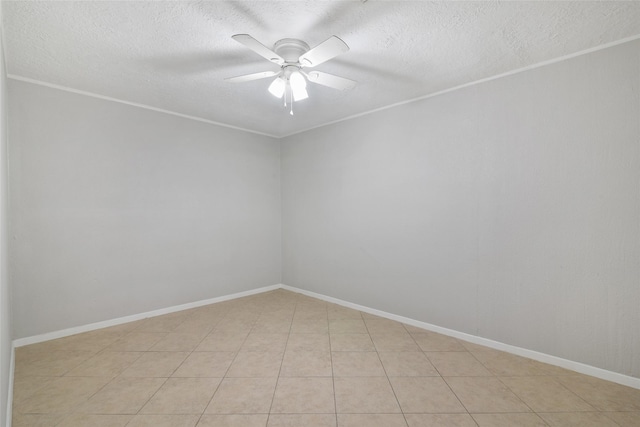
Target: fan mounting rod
[{"x": 290, "y": 49}]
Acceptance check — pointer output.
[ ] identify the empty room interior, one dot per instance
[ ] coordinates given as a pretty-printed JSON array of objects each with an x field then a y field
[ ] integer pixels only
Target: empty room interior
[{"x": 320, "y": 214}]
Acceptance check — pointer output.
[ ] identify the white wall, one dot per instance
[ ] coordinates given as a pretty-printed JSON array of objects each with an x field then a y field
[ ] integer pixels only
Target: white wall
[
  {"x": 120, "y": 210},
  {"x": 508, "y": 210},
  {"x": 5, "y": 305}
]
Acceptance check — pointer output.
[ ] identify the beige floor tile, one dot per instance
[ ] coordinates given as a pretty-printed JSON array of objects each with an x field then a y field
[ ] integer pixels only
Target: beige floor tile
[
  {"x": 431, "y": 341},
  {"x": 272, "y": 327},
  {"x": 29, "y": 353},
  {"x": 300, "y": 420},
  {"x": 106, "y": 364},
  {"x": 457, "y": 364},
  {"x": 155, "y": 364},
  {"x": 303, "y": 363},
  {"x": 50, "y": 363},
  {"x": 255, "y": 364},
  {"x": 384, "y": 326},
  {"x": 347, "y": 326},
  {"x": 277, "y": 313},
  {"x": 62, "y": 395},
  {"x": 394, "y": 342},
  {"x": 136, "y": 341},
  {"x": 578, "y": 419},
  {"x": 222, "y": 341},
  {"x": 165, "y": 323},
  {"x": 304, "y": 316},
  {"x": 265, "y": 342},
  {"x": 177, "y": 342},
  {"x": 209, "y": 314},
  {"x": 93, "y": 341},
  {"x": 371, "y": 420},
  {"x": 233, "y": 327},
  {"x": 164, "y": 421},
  {"x": 93, "y": 420},
  {"x": 36, "y": 420},
  {"x": 303, "y": 396},
  {"x": 509, "y": 420},
  {"x": 205, "y": 364},
  {"x": 603, "y": 395},
  {"x": 357, "y": 364},
  {"x": 625, "y": 419},
  {"x": 425, "y": 395},
  {"x": 508, "y": 365},
  {"x": 414, "y": 329},
  {"x": 26, "y": 352},
  {"x": 182, "y": 396},
  {"x": 485, "y": 394},
  {"x": 440, "y": 420},
  {"x": 310, "y": 326},
  {"x": 365, "y": 395},
  {"x": 121, "y": 396},
  {"x": 351, "y": 342},
  {"x": 193, "y": 326},
  {"x": 259, "y": 420},
  {"x": 473, "y": 347},
  {"x": 243, "y": 396},
  {"x": 407, "y": 364},
  {"x": 552, "y": 370},
  {"x": 311, "y": 305},
  {"x": 308, "y": 342},
  {"x": 24, "y": 387},
  {"x": 337, "y": 312},
  {"x": 545, "y": 394}
]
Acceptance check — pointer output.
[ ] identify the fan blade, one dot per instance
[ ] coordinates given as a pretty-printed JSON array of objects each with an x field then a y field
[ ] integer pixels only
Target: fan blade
[
  {"x": 326, "y": 50},
  {"x": 258, "y": 48},
  {"x": 254, "y": 76},
  {"x": 329, "y": 80}
]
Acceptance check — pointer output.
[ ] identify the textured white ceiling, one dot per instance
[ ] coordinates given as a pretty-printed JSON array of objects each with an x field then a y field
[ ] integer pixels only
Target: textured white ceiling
[{"x": 174, "y": 55}]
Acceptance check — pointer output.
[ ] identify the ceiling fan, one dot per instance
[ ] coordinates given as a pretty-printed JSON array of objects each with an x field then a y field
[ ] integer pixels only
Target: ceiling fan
[{"x": 292, "y": 55}]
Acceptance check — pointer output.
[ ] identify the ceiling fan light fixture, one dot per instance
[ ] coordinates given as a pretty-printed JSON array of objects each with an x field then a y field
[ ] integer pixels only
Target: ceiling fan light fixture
[
  {"x": 276, "y": 88},
  {"x": 298, "y": 86},
  {"x": 300, "y": 94}
]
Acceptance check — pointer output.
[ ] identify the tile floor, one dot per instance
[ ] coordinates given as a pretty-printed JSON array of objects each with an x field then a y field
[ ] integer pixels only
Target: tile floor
[{"x": 283, "y": 359}]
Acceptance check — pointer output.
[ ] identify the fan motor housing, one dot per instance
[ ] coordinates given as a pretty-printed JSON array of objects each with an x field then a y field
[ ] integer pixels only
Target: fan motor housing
[{"x": 290, "y": 49}]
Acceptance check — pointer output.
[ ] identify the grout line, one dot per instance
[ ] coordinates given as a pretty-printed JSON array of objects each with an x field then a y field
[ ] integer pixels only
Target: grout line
[
  {"x": 514, "y": 393},
  {"x": 225, "y": 372},
  {"x": 150, "y": 351},
  {"x": 440, "y": 374},
  {"x": 281, "y": 363},
  {"x": 184, "y": 360},
  {"x": 385, "y": 372}
]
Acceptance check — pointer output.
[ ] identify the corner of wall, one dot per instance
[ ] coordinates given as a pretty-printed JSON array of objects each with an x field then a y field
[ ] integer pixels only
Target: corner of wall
[{"x": 6, "y": 347}]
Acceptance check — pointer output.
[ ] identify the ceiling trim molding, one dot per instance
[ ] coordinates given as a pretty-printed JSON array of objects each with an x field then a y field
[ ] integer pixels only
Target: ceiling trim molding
[
  {"x": 134, "y": 104},
  {"x": 476, "y": 82},
  {"x": 354, "y": 116}
]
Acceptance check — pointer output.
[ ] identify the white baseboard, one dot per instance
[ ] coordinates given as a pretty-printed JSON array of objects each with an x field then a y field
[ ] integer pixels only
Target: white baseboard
[
  {"x": 540, "y": 357},
  {"x": 126, "y": 319}
]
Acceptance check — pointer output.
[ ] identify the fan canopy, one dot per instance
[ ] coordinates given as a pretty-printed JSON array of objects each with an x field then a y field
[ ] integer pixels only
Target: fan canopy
[{"x": 291, "y": 49}]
